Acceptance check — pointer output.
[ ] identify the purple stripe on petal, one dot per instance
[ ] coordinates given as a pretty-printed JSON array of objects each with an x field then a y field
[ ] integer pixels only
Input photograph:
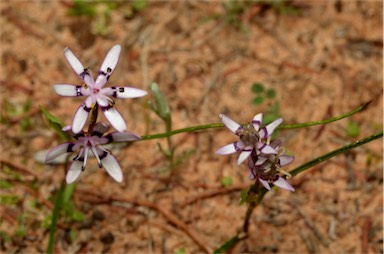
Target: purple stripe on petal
[
  {"x": 257, "y": 120},
  {"x": 80, "y": 118},
  {"x": 58, "y": 151},
  {"x": 227, "y": 149},
  {"x": 268, "y": 130},
  {"x": 266, "y": 149},
  {"x": 229, "y": 123}
]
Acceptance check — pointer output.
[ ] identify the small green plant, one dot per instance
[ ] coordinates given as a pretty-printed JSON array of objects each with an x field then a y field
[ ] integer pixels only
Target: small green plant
[
  {"x": 353, "y": 129},
  {"x": 266, "y": 95},
  {"x": 226, "y": 181}
]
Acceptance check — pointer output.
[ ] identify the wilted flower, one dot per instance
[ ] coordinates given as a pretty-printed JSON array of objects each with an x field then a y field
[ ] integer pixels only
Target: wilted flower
[
  {"x": 95, "y": 92},
  {"x": 86, "y": 142},
  {"x": 266, "y": 168},
  {"x": 251, "y": 136}
]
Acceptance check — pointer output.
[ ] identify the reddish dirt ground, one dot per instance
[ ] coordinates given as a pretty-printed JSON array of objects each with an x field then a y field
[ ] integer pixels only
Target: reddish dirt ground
[{"x": 323, "y": 58}]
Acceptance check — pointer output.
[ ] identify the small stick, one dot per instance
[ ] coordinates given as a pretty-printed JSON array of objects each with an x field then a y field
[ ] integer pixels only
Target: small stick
[{"x": 365, "y": 235}]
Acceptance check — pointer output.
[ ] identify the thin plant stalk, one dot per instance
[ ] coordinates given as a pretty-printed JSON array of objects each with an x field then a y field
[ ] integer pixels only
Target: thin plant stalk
[{"x": 286, "y": 126}]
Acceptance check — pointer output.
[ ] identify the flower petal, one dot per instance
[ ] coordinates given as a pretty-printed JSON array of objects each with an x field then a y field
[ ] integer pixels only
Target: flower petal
[
  {"x": 282, "y": 183},
  {"x": 74, "y": 171},
  {"x": 67, "y": 90},
  {"x": 285, "y": 160},
  {"x": 257, "y": 120},
  {"x": 124, "y": 92},
  {"x": 114, "y": 118},
  {"x": 108, "y": 66},
  {"x": 268, "y": 130},
  {"x": 260, "y": 160},
  {"x": 244, "y": 155},
  {"x": 99, "y": 129},
  {"x": 80, "y": 118},
  {"x": 265, "y": 183},
  {"x": 122, "y": 137},
  {"x": 77, "y": 66},
  {"x": 266, "y": 149},
  {"x": 58, "y": 151},
  {"x": 230, "y": 148},
  {"x": 229, "y": 123},
  {"x": 112, "y": 167}
]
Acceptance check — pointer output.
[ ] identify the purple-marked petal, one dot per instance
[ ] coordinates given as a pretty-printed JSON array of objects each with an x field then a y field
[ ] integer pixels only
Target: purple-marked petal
[
  {"x": 80, "y": 118},
  {"x": 282, "y": 183},
  {"x": 108, "y": 66},
  {"x": 268, "y": 130},
  {"x": 124, "y": 92},
  {"x": 285, "y": 160},
  {"x": 114, "y": 118},
  {"x": 67, "y": 90},
  {"x": 244, "y": 155},
  {"x": 266, "y": 149},
  {"x": 227, "y": 149},
  {"x": 257, "y": 120},
  {"x": 229, "y": 123},
  {"x": 265, "y": 184},
  {"x": 99, "y": 129},
  {"x": 112, "y": 167},
  {"x": 102, "y": 100},
  {"x": 260, "y": 160},
  {"x": 74, "y": 171},
  {"x": 58, "y": 151},
  {"x": 122, "y": 137}
]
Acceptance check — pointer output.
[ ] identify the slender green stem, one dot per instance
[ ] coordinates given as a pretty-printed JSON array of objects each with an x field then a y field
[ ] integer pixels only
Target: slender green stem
[
  {"x": 55, "y": 215},
  {"x": 286, "y": 126},
  {"x": 333, "y": 153}
]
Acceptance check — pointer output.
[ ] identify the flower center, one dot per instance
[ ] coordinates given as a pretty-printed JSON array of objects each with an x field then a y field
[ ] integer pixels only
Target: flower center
[
  {"x": 248, "y": 135},
  {"x": 96, "y": 90}
]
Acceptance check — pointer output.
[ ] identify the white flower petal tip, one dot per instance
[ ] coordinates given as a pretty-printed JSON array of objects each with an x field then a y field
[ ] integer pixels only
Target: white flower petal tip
[
  {"x": 229, "y": 123},
  {"x": 74, "y": 171},
  {"x": 73, "y": 61},
  {"x": 243, "y": 156},
  {"x": 80, "y": 118},
  {"x": 283, "y": 184},
  {"x": 112, "y": 167},
  {"x": 227, "y": 149},
  {"x": 125, "y": 92},
  {"x": 67, "y": 90},
  {"x": 114, "y": 118}
]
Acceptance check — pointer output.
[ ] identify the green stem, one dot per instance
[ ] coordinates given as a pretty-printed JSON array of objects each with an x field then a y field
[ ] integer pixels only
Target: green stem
[
  {"x": 286, "y": 126},
  {"x": 333, "y": 153},
  {"x": 55, "y": 215}
]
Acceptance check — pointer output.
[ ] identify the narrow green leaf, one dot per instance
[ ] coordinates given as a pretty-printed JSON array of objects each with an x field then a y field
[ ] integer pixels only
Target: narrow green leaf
[
  {"x": 161, "y": 107},
  {"x": 228, "y": 245},
  {"x": 55, "y": 215},
  {"x": 54, "y": 123}
]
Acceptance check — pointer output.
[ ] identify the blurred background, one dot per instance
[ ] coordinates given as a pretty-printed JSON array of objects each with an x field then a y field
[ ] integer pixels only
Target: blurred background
[{"x": 300, "y": 60}]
